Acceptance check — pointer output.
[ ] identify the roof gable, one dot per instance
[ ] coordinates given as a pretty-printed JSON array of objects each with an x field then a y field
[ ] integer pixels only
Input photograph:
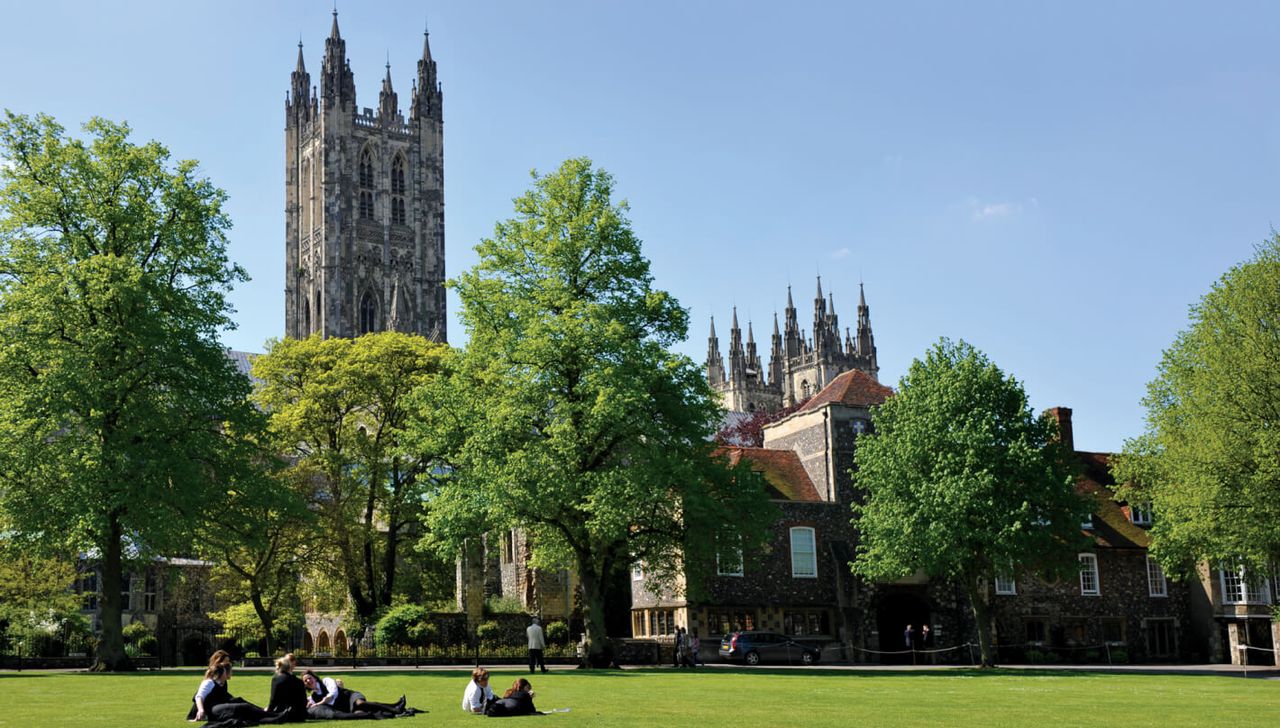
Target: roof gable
[
  {"x": 854, "y": 388},
  {"x": 782, "y": 470}
]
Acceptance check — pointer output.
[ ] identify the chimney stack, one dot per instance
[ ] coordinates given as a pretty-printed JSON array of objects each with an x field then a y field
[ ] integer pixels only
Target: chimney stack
[{"x": 1063, "y": 417}]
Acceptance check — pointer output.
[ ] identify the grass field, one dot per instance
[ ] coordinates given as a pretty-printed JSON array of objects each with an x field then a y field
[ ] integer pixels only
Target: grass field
[{"x": 705, "y": 698}]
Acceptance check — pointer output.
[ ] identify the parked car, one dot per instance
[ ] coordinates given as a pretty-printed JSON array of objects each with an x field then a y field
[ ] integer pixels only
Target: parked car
[{"x": 752, "y": 648}]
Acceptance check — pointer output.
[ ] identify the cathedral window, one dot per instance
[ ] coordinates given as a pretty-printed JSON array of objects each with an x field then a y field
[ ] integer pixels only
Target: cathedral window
[
  {"x": 397, "y": 191},
  {"x": 368, "y": 314},
  {"x": 366, "y": 170},
  {"x": 805, "y": 389},
  {"x": 318, "y": 312},
  {"x": 306, "y": 317},
  {"x": 397, "y": 176},
  {"x": 366, "y": 205}
]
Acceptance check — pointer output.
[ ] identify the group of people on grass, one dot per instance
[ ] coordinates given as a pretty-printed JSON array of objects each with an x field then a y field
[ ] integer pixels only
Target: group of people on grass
[{"x": 292, "y": 699}]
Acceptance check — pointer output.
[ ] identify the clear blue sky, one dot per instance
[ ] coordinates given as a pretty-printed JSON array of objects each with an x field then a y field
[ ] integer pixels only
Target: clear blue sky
[{"x": 1054, "y": 182}]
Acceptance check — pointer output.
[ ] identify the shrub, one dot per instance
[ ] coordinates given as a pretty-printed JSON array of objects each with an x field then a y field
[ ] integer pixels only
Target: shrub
[
  {"x": 251, "y": 655},
  {"x": 1119, "y": 654},
  {"x": 135, "y": 631},
  {"x": 558, "y": 632},
  {"x": 508, "y": 604},
  {"x": 1038, "y": 657},
  {"x": 407, "y": 624},
  {"x": 489, "y": 632}
]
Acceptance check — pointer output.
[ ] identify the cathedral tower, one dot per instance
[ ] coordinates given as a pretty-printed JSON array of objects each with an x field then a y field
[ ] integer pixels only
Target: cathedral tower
[{"x": 364, "y": 203}]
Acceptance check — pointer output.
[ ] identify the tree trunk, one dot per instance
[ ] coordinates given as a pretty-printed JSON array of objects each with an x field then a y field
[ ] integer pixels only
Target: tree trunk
[
  {"x": 264, "y": 616},
  {"x": 110, "y": 655},
  {"x": 982, "y": 617},
  {"x": 598, "y": 650}
]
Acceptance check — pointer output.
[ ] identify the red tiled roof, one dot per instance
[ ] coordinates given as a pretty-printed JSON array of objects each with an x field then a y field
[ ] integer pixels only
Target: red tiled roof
[
  {"x": 1111, "y": 525},
  {"x": 781, "y": 470},
  {"x": 854, "y": 388}
]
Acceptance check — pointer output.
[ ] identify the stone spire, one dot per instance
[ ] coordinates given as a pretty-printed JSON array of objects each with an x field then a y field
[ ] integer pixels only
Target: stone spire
[
  {"x": 753, "y": 358},
  {"x": 299, "y": 90},
  {"x": 388, "y": 105},
  {"x": 775, "y": 355},
  {"x": 337, "y": 84},
  {"x": 866, "y": 341},
  {"x": 793, "y": 344},
  {"x": 427, "y": 96},
  {"x": 737, "y": 357},
  {"x": 715, "y": 364}
]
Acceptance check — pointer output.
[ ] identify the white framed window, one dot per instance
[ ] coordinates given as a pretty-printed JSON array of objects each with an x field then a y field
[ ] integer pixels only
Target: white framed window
[
  {"x": 1005, "y": 582},
  {"x": 1241, "y": 587},
  {"x": 1156, "y": 584},
  {"x": 804, "y": 553},
  {"x": 637, "y": 571},
  {"x": 1087, "y": 523},
  {"x": 126, "y": 593},
  {"x": 149, "y": 600},
  {"x": 729, "y": 557},
  {"x": 1089, "y": 583},
  {"x": 1140, "y": 514}
]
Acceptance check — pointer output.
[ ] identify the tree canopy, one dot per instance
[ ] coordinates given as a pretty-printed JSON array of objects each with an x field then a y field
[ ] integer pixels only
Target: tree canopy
[
  {"x": 1209, "y": 461},
  {"x": 961, "y": 479},
  {"x": 568, "y": 416},
  {"x": 338, "y": 409},
  {"x": 118, "y": 406}
]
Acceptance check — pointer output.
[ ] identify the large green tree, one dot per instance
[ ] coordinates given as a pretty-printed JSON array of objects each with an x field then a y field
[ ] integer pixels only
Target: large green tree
[
  {"x": 1209, "y": 461},
  {"x": 338, "y": 409},
  {"x": 118, "y": 406},
  {"x": 961, "y": 479},
  {"x": 569, "y": 416}
]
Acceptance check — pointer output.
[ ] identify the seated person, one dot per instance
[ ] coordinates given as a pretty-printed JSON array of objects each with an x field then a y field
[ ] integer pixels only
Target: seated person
[
  {"x": 478, "y": 693},
  {"x": 518, "y": 700},
  {"x": 328, "y": 699},
  {"x": 211, "y": 693}
]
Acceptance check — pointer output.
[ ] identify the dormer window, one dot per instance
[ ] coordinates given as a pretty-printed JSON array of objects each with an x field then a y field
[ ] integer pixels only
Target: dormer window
[{"x": 1141, "y": 514}]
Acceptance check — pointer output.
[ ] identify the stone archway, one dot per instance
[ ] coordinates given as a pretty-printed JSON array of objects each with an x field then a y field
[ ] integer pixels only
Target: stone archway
[
  {"x": 340, "y": 642},
  {"x": 322, "y": 643},
  {"x": 308, "y": 644}
]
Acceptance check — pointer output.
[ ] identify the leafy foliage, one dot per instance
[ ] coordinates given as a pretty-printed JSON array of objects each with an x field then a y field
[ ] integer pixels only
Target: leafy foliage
[
  {"x": 960, "y": 476},
  {"x": 338, "y": 411},
  {"x": 408, "y": 625},
  {"x": 749, "y": 431},
  {"x": 1209, "y": 461},
  {"x": 119, "y": 411},
  {"x": 568, "y": 416},
  {"x": 240, "y": 622}
]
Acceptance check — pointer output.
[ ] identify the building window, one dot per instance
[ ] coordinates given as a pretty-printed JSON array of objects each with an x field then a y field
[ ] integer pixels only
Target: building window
[
  {"x": 804, "y": 554},
  {"x": 729, "y": 557},
  {"x": 637, "y": 572},
  {"x": 87, "y": 585},
  {"x": 366, "y": 205},
  {"x": 366, "y": 170},
  {"x": 368, "y": 314},
  {"x": 1087, "y": 523},
  {"x": 804, "y": 389},
  {"x": 306, "y": 316},
  {"x": 397, "y": 176},
  {"x": 1239, "y": 587},
  {"x": 1160, "y": 638},
  {"x": 149, "y": 592},
  {"x": 1089, "y": 585},
  {"x": 1037, "y": 631},
  {"x": 1140, "y": 514},
  {"x": 126, "y": 593},
  {"x": 859, "y": 426},
  {"x": 802, "y": 623},
  {"x": 724, "y": 622},
  {"x": 1005, "y": 583},
  {"x": 1113, "y": 631},
  {"x": 397, "y": 210},
  {"x": 1156, "y": 585}
]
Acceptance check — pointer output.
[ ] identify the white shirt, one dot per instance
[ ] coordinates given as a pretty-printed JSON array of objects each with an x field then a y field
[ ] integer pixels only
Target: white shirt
[
  {"x": 475, "y": 696},
  {"x": 206, "y": 687},
  {"x": 330, "y": 695},
  {"x": 536, "y": 639}
]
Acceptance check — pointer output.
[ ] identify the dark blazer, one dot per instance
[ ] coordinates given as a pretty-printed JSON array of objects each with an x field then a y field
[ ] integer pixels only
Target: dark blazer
[{"x": 519, "y": 703}]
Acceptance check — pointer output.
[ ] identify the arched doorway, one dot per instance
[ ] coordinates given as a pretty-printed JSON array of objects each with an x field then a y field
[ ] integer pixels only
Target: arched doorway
[
  {"x": 895, "y": 609},
  {"x": 322, "y": 643},
  {"x": 307, "y": 643},
  {"x": 339, "y": 642}
]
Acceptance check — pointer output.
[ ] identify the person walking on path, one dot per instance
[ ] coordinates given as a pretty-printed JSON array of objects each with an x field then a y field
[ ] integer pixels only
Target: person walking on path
[{"x": 537, "y": 643}]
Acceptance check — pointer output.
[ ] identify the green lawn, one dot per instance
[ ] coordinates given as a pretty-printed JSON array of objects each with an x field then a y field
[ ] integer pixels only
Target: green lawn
[{"x": 703, "y": 698}]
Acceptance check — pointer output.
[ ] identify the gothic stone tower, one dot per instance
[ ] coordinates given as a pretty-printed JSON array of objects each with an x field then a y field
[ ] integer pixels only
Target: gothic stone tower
[
  {"x": 799, "y": 366},
  {"x": 364, "y": 204}
]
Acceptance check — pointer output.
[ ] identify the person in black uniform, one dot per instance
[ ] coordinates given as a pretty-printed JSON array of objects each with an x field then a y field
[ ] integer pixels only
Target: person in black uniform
[
  {"x": 288, "y": 694},
  {"x": 211, "y": 693},
  {"x": 518, "y": 700},
  {"x": 328, "y": 699}
]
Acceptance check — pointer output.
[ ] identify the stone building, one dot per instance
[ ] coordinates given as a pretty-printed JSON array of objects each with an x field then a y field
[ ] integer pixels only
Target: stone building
[
  {"x": 364, "y": 203},
  {"x": 1119, "y": 608},
  {"x": 799, "y": 365}
]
